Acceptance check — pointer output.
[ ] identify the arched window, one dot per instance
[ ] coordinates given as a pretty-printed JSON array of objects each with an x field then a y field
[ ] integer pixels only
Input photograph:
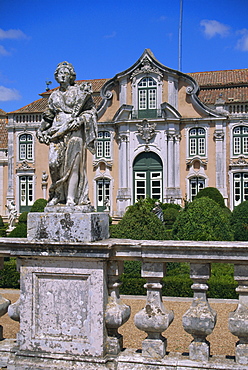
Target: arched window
[
  {"x": 147, "y": 98},
  {"x": 103, "y": 145},
  {"x": 25, "y": 147},
  {"x": 195, "y": 185},
  {"x": 240, "y": 140},
  {"x": 240, "y": 187},
  {"x": 147, "y": 173},
  {"x": 197, "y": 142}
]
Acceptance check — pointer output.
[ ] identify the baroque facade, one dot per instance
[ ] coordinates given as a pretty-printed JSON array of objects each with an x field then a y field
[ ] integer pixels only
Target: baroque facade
[{"x": 161, "y": 133}]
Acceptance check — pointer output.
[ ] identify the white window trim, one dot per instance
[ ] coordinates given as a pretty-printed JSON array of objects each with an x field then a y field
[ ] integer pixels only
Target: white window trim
[
  {"x": 232, "y": 126},
  {"x": 111, "y": 133},
  {"x": 231, "y": 174},
  {"x": 206, "y": 127},
  {"x": 18, "y": 160},
  {"x": 135, "y": 93},
  {"x": 18, "y": 175}
]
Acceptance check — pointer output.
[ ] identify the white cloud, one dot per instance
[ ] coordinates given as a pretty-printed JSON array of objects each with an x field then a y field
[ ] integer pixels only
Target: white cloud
[
  {"x": 242, "y": 43},
  {"x": 213, "y": 28},
  {"x": 12, "y": 34},
  {"x": 7, "y": 94},
  {"x": 3, "y": 51},
  {"x": 110, "y": 36}
]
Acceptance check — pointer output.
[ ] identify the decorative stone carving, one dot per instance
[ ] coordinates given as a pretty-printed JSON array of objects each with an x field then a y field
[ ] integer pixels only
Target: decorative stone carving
[
  {"x": 24, "y": 166},
  {"x": 147, "y": 67},
  {"x": 12, "y": 214},
  {"x": 117, "y": 313},
  {"x": 200, "y": 319},
  {"x": 146, "y": 130},
  {"x": 241, "y": 161},
  {"x": 69, "y": 127},
  {"x": 219, "y": 135},
  {"x": 190, "y": 161},
  {"x": 238, "y": 324},
  {"x": 14, "y": 311},
  {"x": 154, "y": 318}
]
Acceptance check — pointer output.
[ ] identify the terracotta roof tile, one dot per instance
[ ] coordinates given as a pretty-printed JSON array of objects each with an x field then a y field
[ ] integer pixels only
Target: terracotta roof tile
[
  {"x": 220, "y": 78},
  {"x": 3, "y": 134},
  {"x": 36, "y": 107},
  {"x": 2, "y": 112},
  {"x": 230, "y": 94}
]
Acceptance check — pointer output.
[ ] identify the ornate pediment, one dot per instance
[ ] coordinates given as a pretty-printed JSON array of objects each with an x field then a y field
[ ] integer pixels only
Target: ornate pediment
[
  {"x": 24, "y": 166},
  {"x": 146, "y": 130},
  {"x": 146, "y": 67},
  {"x": 241, "y": 161}
]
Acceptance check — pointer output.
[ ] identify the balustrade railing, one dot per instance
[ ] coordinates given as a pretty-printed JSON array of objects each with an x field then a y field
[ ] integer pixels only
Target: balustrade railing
[{"x": 199, "y": 320}]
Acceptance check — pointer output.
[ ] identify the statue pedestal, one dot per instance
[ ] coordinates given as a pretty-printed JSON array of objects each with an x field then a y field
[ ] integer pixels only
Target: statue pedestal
[{"x": 73, "y": 224}]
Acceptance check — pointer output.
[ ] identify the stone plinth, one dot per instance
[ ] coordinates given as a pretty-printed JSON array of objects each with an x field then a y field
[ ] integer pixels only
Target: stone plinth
[
  {"x": 63, "y": 305},
  {"x": 62, "y": 225}
]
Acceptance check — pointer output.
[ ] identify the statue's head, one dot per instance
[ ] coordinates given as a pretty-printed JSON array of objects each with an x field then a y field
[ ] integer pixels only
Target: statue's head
[{"x": 70, "y": 68}]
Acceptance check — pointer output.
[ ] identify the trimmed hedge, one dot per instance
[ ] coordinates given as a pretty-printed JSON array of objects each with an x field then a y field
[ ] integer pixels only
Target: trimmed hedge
[
  {"x": 239, "y": 221},
  {"x": 139, "y": 222},
  {"x": 213, "y": 194},
  {"x": 39, "y": 205},
  {"x": 9, "y": 277},
  {"x": 203, "y": 220}
]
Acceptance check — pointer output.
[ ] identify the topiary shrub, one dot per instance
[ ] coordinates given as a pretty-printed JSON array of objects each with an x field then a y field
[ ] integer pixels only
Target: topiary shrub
[
  {"x": 20, "y": 231},
  {"x": 170, "y": 216},
  {"x": 39, "y": 205},
  {"x": 139, "y": 222},
  {"x": 9, "y": 277},
  {"x": 23, "y": 218},
  {"x": 2, "y": 228},
  {"x": 1, "y": 223},
  {"x": 239, "y": 221},
  {"x": 203, "y": 220},
  {"x": 211, "y": 193}
]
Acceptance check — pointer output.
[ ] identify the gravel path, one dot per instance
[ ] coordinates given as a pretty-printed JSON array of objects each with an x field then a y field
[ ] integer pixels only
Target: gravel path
[{"x": 222, "y": 341}]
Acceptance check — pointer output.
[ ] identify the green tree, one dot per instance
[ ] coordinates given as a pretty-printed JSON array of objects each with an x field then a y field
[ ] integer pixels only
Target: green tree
[
  {"x": 212, "y": 193},
  {"x": 139, "y": 222},
  {"x": 203, "y": 220},
  {"x": 239, "y": 221},
  {"x": 39, "y": 205}
]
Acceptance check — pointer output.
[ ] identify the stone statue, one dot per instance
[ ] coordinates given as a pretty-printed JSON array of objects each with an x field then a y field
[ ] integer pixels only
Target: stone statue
[
  {"x": 12, "y": 214},
  {"x": 69, "y": 127},
  {"x": 158, "y": 211}
]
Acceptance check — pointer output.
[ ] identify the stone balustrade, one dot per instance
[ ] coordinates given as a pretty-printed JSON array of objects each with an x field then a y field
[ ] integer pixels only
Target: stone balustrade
[{"x": 70, "y": 309}]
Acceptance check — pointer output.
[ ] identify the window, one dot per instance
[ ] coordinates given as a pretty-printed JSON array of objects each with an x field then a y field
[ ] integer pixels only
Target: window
[
  {"x": 195, "y": 185},
  {"x": 147, "y": 98},
  {"x": 240, "y": 140},
  {"x": 197, "y": 142},
  {"x": 240, "y": 186},
  {"x": 103, "y": 194},
  {"x": 148, "y": 171},
  {"x": 26, "y": 193},
  {"x": 25, "y": 147},
  {"x": 103, "y": 145}
]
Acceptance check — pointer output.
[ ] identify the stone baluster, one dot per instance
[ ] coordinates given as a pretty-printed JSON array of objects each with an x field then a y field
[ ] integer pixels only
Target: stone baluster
[
  {"x": 154, "y": 318},
  {"x": 4, "y": 303},
  {"x": 200, "y": 319},
  {"x": 238, "y": 320},
  {"x": 117, "y": 313}
]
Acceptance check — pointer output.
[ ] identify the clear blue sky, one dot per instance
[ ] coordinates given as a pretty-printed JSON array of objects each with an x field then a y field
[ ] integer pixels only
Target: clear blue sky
[{"x": 104, "y": 37}]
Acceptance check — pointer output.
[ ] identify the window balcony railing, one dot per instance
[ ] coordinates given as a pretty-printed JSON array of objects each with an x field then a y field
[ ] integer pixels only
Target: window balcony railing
[
  {"x": 148, "y": 113},
  {"x": 70, "y": 308}
]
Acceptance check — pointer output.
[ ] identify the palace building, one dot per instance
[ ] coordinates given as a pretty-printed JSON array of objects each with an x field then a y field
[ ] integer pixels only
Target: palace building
[{"x": 161, "y": 133}]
